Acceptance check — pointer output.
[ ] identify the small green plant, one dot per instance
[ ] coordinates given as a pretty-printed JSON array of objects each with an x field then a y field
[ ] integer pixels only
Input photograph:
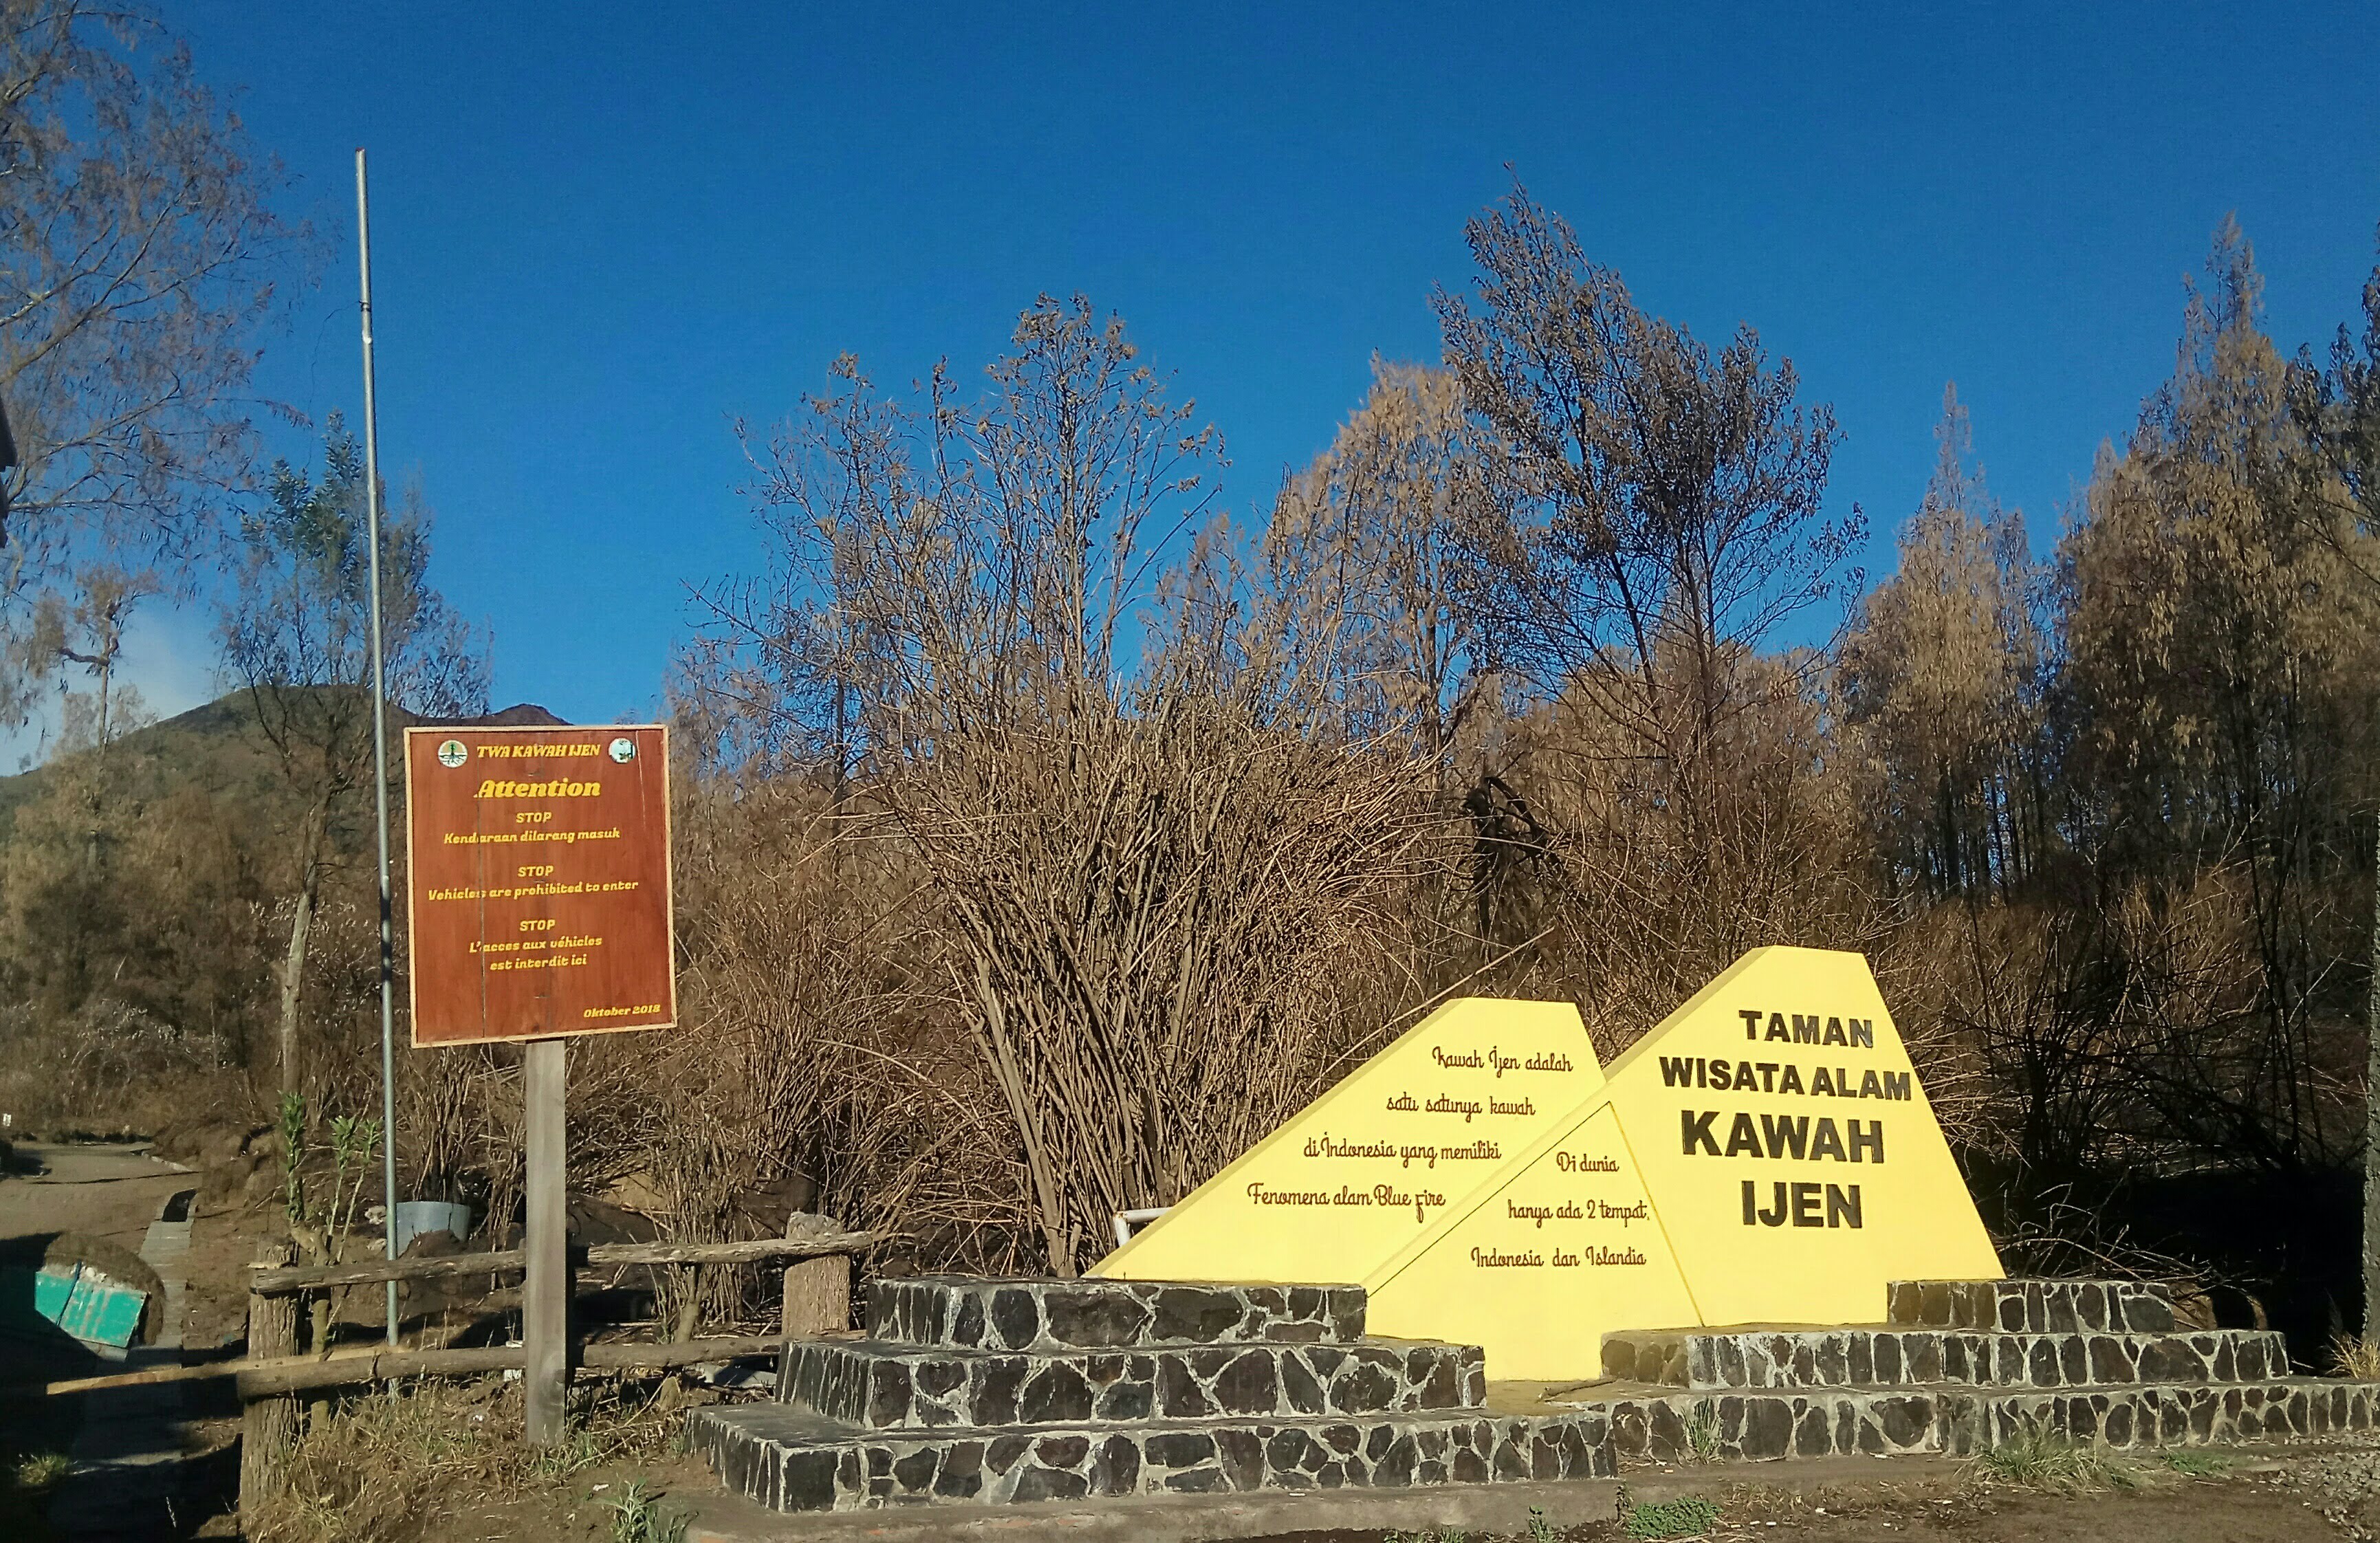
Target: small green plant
[
  {"x": 1687, "y": 1516},
  {"x": 638, "y": 1517},
  {"x": 2053, "y": 1462},
  {"x": 1702, "y": 1434},
  {"x": 1427, "y": 1535},
  {"x": 41, "y": 1471},
  {"x": 292, "y": 1157},
  {"x": 2198, "y": 1465},
  {"x": 578, "y": 1451},
  {"x": 1541, "y": 1530},
  {"x": 354, "y": 1143}
]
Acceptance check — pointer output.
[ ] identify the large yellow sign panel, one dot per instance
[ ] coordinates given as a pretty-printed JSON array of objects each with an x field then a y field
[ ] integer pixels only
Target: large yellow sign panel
[
  {"x": 1790, "y": 1149},
  {"x": 1765, "y": 1155},
  {"x": 1355, "y": 1177}
]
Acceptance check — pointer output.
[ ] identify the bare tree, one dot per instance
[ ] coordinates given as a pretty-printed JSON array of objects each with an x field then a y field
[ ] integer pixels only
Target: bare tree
[
  {"x": 139, "y": 259},
  {"x": 1361, "y": 553},
  {"x": 296, "y": 635},
  {"x": 2338, "y": 411},
  {"x": 1943, "y": 671},
  {"x": 1144, "y": 854},
  {"x": 1659, "y": 510}
]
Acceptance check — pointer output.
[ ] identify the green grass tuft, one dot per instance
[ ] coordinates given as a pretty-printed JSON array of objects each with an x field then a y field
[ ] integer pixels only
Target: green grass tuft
[
  {"x": 41, "y": 1471},
  {"x": 2052, "y": 1461},
  {"x": 1687, "y": 1516},
  {"x": 2198, "y": 1465},
  {"x": 636, "y": 1517}
]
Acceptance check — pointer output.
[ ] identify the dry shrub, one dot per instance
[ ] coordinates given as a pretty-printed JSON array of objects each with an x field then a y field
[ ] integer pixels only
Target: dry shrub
[
  {"x": 376, "y": 1469},
  {"x": 2355, "y": 1355},
  {"x": 105, "y": 1068},
  {"x": 1150, "y": 911}
]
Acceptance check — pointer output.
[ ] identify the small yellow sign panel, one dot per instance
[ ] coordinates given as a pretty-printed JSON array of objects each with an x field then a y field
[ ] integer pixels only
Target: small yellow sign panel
[
  {"x": 1566, "y": 1247},
  {"x": 1355, "y": 1177},
  {"x": 1765, "y": 1155}
]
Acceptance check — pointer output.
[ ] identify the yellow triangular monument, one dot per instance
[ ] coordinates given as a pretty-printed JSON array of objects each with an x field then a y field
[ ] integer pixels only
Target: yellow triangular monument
[{"x": 1765, "y": 1155}]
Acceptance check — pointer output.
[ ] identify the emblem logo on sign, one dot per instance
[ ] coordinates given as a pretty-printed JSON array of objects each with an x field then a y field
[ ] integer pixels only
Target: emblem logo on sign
[
  {"x": 623, "y": 748},
  {"x": 451, "y": 753}
]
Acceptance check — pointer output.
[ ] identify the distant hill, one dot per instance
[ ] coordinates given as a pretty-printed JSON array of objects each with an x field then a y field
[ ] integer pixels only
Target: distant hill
[{"x": 219, "y": 745}]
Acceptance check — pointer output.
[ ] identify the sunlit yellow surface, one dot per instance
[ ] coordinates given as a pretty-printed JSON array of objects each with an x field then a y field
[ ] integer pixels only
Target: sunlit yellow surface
[
  {"x": 1617, "y": 1202},
  {"x": 1566, "y": 1246},
  {"x": 1354, "y": 1178},
  {"x": 1849, "y": 1218}
]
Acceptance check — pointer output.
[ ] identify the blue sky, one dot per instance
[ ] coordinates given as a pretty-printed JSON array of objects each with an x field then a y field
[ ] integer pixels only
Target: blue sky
[{"x": 603, "y": 230}]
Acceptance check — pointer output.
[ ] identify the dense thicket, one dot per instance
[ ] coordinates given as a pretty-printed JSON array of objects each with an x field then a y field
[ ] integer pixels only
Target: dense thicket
[{"x": 1048, "y": 833}]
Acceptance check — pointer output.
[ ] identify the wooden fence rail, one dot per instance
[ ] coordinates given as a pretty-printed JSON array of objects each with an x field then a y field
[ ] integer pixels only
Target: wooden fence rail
[
  {"x": 281, "y": 1374},
  {"x": 271, "y": 1375},
  {"x": 277, "y": 1280}
]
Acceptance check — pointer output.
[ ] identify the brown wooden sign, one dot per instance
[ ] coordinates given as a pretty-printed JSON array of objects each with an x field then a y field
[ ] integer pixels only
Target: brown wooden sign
[{"x": 538, "y": 894}]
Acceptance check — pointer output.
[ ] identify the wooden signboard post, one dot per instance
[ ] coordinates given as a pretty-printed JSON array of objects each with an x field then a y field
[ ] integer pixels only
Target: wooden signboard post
[{"x": 537, "y": 905}]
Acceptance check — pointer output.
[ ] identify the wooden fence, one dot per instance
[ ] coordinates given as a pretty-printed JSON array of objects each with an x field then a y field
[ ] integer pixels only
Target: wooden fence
[{"x": 271, "y": 1373}]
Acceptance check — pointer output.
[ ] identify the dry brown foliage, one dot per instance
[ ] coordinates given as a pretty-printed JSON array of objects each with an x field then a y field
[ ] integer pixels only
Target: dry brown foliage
[{"x": 1044, "y": 838}]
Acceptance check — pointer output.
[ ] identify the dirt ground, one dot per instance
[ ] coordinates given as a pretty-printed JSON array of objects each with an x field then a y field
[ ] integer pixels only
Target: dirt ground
[
  {"x": 2256, "y": 1507},
  {"x": 2259, "y": 1501}
]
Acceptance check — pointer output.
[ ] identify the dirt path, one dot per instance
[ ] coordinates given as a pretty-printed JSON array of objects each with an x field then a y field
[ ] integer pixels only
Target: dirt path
[
  {"x": 110, "y": 1191},
  {"x": 2246, "y": 1507},
  {"x": 128, "y": 1447}
]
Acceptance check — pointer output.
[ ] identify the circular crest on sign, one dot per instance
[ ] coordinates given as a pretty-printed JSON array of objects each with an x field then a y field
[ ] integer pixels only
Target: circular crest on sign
[
  {"x": 623, "y": 748},
  {"x": 451, "y": 753}
]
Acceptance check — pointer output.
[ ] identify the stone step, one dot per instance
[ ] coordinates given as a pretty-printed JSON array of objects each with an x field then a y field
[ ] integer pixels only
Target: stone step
[
  {"x": 1756, "y": 1358},
  {"x": 2033, "y": 1307},
  {"x": 1055, "y": 1317},
  {"x": 876, "y": 1386},
  {"x": 1666, "y": 1426},
  {"x": 789, "y": 1459}
]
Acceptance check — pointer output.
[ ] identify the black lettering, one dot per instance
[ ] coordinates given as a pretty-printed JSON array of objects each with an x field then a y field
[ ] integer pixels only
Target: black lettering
[
  {"x": 1746, "y": 1078},
  {"x": 1775, "y": 1216},
  {"x": 1768, "y": 1077},
  {"x": 1842, "y": 1205},
  {"x": 1698, "y": 1130},
  {"x": 1751, "y": 1016},
  {"x": 1869, "y": 1087},
  {"x": 1749, "y": 1212},
  {"x": 1864, "y": 1033},
  {"x": 1821, "y": 1083},
  {"x": 1805, "y": 1030},
  {"x": 1777, "y": 1030},
  {"x": 1806, "y": 1205},
  {"x": 1791, "y": 1082},
  {"x": 1719, "y": 1076},
  {"x": 1742, "y": 1137},
  {"x": 1835, "y": 1032},
  {"x": 1787, "y": 1135},
  {"x": 1826, "y": 1141},
  {"x": 1872, "y": 1140},
  {"x": 1677, "y": 1072},
  {"x": 1896, "y": 1086}
]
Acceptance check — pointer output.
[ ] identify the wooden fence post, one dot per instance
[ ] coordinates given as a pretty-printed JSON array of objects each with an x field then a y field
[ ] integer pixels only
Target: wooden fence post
[
  {"x": 270, "y": 1423},
  {"x": 818, "y": 1292}
]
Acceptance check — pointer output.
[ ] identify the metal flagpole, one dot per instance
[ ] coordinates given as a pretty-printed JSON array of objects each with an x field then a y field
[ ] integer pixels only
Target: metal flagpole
[{"x": 379, "y": 758}]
